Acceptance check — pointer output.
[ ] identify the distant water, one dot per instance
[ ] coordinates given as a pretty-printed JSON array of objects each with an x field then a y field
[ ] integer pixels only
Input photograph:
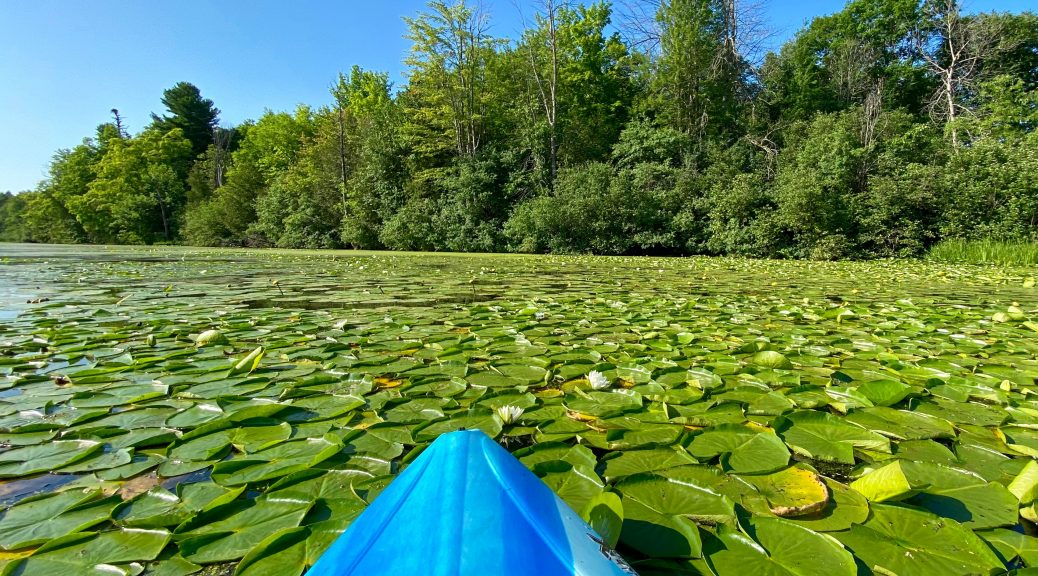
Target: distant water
[
  {"x": 12, "y": 299},
  {"x": 13, "y": 294}
]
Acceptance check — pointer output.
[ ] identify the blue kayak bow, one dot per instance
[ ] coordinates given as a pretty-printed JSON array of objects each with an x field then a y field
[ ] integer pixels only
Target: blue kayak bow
[{"x": 464, "y": 507}]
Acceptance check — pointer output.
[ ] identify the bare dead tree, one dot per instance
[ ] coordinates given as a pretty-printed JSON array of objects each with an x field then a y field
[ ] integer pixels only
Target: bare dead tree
[
  {"x": 454, "y": 42},
  {"x": 952, "y": 50},
  {"x": 638, "y": 25},
  {"x": 745, "y": 29},
  {"x": 769, "y": 147},
  {"x": 221, "y": 150},
  {"x": 341, "y": 143},
  {"x": 466, "y": 57},
  {"x": 119, "y": 123},
  {"x": 850, "y": 62},
  {"x": 871, "y": 111},
  {"x": 547, "y": 81}
]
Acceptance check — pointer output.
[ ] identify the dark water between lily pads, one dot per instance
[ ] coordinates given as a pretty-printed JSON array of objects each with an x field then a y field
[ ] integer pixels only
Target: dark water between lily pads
[{"x": 778, "y": 401}]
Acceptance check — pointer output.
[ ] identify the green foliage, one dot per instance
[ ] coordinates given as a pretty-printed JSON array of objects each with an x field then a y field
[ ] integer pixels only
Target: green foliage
[
  {"x": 473, "y": 209},
  {"x": 225, "y": 217},
  {"x": 741, "y": 218},
  {"x": 905, "y": 192},
  {"x": 412, "y": 226},
  {"x": 1014, "y": 52},
  {"x": 596, "y": 210},
  {"x": 595, "y": 84},
  {"x": 860, "y": 137},
  {"x": 642, "y": 142},
  {"x": 47, "y": 220},
  {"x": 138, "y": 191},
  {"x": 571, "y": 220},
  {"x": 993, "y": 191},
  {"x": 699, "y": 77},
  {"x": 196, "y": 117},
  {"x": 816, "y": 186},
  {"x": 12, "y": 223},
  {"x": 985, "y": 252},
  {"x": 304, "y": 204},
  {"x": 48, "y": 216},
  {"x": 368, "y": 131},
  {"x": 448, "y": 61},
  {"x": 838, "y": 60}
]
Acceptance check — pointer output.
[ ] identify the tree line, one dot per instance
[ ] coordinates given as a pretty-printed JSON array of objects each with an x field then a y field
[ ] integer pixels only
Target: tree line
[{"x": 656, "y": 128}]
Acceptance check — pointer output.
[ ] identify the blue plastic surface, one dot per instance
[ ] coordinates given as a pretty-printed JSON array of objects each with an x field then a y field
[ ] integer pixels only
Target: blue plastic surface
[{"x": 465, "y": 507}]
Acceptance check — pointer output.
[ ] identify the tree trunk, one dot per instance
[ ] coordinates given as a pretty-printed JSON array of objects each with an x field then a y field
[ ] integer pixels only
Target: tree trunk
[{"x": 342, "y": 160}]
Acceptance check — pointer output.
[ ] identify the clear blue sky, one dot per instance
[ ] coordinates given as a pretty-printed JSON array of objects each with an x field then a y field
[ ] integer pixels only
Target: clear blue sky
[{"x": 65, "y": 64}]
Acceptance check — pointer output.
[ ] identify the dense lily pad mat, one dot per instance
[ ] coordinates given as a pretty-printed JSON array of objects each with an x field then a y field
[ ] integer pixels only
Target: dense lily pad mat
[{"x": 168, "y": 411}]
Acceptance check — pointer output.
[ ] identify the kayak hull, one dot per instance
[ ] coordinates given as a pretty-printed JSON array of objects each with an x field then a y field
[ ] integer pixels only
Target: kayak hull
[{"x": 466, "y": 506}]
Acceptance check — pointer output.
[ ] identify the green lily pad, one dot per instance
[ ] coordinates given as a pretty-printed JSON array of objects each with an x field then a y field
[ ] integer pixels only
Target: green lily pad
[
  {"x": 542, "y": 452},
  {"x": 228, "y": 533},
  {"x": 249, "y": 363},
  {"x": 1025, "y": 485},
  {"x": 576, "y": 485},
  {"x": 777, "y": 547},
  {"x": 45, "y": 457},
  {"x": 605, "y": 404},
  {"x": 94, "y": 554},
  {"x": 631, "y": 462},
  {"x": 771, "y": 359},
  {"x": 884, "y": 392},
  {"x": 742, "y": 450},
  {"x": 283, "y": 552},
  {"x": 276, "y": 461},
  {"x": 909, "y": 541},
  {"x": 488, "y": 423},
  {"x": 35, "y": 521},
  {"x": 605, "y": 514},
  {"x": 156, "y": 508},
  {"x": 660, "y": 514},
  {"x": 946, "y": 491},
  {"x": 822, "y": 436},
  {"x": 1011, "y": 546},
  {"x": 794, "y": 491}
]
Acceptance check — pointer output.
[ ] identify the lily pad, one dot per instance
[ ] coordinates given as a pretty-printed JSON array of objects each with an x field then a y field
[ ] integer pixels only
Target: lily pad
[
  {"x": 822, "y": 436},
  {"x": 277, "y": 461},
  {"x": 845, "y": 508},
  {"x": 794, "y": 491},
  {"x": 777, "y": 547},
  {"x": 631, "y": 462},
  {"x": 576, "y": 485},
  {"x": 771, "y": 359},
  {"x": 741, "y": 449},
  {"x": 908, "y": 541},
  {"x": 45, "y": 457},
  {"x": 604, "y": 513},
  {"x": 660, "y": 514},
  {"x": 95, "y": 554},
  {"x": 228, "y": 533},
  {"x": 35, "y": 521},
  {"x": 946, "y": 491}
]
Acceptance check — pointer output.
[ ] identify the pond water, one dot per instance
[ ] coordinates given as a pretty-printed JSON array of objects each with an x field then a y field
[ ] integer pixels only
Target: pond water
[{"x": 739, "y": 409}]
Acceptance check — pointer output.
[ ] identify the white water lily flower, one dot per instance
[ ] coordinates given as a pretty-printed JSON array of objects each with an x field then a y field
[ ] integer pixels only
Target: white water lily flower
[
  {"x": 509, "y": 414},
  {"x": 598, "y": 380}
]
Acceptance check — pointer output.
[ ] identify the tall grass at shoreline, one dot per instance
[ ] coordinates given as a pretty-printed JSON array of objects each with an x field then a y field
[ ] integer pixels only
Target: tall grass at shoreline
[{"x": 985, "y": 252}]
